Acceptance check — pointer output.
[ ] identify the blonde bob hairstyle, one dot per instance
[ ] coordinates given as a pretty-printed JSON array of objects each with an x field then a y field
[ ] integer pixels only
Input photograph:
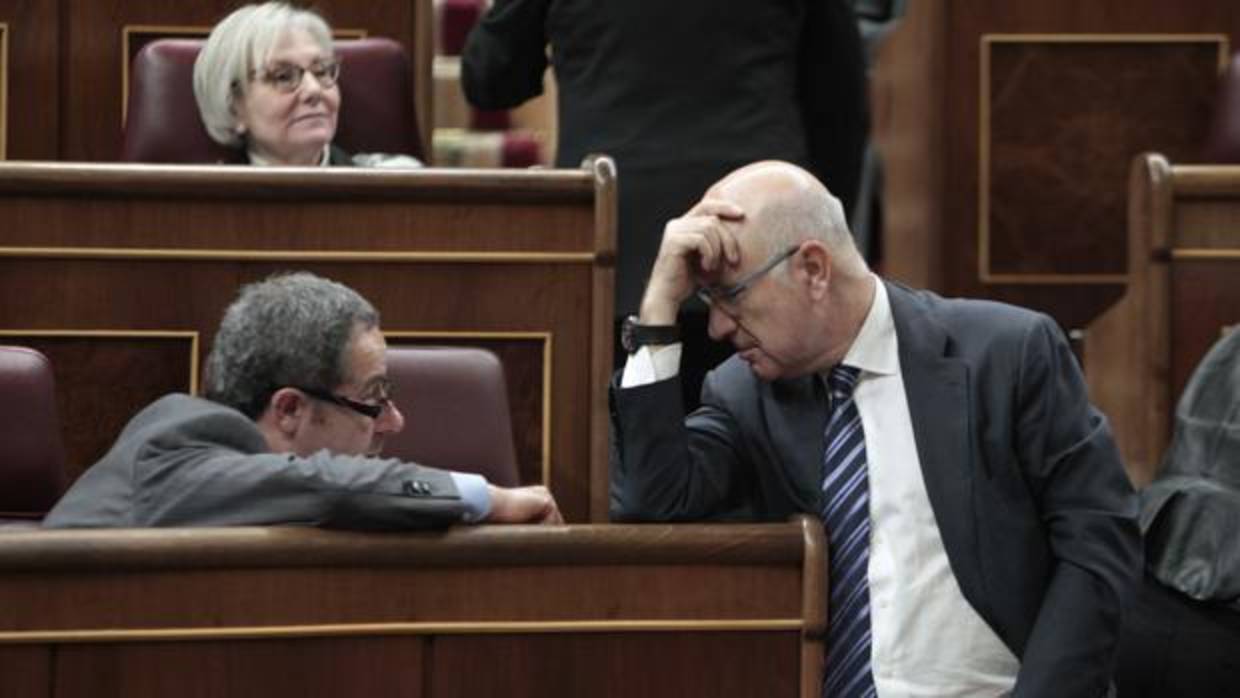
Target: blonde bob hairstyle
[{"x": 240, "y": 44}]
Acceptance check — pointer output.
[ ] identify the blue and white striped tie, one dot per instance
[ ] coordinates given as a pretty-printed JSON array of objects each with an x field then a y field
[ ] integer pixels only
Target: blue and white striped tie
[{"x": 846, "y": 517}]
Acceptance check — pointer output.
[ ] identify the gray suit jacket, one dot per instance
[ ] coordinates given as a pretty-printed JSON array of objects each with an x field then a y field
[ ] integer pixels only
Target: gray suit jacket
[
  {"x": 185, "y": 461},
  {"x": 1191, "y": 513},
  {"x": 1036, "y": 512}
]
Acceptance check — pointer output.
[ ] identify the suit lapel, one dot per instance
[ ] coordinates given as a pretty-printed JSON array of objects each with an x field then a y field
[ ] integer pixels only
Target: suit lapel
[
  {"x": 937, "y": 387},
  {"x": 797, "y": 424}
]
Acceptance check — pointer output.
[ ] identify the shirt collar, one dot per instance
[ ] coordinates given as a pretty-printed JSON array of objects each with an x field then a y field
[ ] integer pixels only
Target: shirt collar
[
  {"x": 256, "y": 159},
  {"x": 875, "y": 349}
]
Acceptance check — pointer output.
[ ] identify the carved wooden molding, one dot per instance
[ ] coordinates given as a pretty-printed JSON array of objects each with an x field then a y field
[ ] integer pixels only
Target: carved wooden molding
[{"x": 1039, "y": 168}]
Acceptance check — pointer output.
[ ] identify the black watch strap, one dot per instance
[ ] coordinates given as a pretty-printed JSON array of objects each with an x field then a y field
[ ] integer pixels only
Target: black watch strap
[{"x": 634, "y": 335}]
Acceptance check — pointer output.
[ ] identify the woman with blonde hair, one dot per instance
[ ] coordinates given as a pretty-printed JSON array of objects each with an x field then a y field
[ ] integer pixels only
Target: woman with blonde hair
[{"x": 266, "y": 83}]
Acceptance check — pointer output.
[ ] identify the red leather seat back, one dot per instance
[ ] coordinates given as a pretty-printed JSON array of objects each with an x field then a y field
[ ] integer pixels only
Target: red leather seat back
[
  {"x": 377, "y": 112},
  {"x": 455, "y": 402},
  {"x": 32, "y": 455}
]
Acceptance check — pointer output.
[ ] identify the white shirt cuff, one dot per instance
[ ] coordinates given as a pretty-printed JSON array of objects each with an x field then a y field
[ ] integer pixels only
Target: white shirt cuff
[
  {"x": 474, "y": 494},
  {"x": 651, "y": 365}
]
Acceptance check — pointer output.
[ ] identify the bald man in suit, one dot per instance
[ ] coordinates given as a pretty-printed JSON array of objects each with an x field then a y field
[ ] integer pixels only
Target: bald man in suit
[{"x": 999, "y": 528}]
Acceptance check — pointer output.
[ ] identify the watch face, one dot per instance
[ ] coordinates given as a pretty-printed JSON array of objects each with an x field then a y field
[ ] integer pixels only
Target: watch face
[
  {"x": 634, "y": 335},
  {"x": 626, "y": 334}
]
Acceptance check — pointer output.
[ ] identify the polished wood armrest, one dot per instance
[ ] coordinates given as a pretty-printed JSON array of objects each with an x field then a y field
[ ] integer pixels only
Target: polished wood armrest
[{"x": 689, "y": 596}]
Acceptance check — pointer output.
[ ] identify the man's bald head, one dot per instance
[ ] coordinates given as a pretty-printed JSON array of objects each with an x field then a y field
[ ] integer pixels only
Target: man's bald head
[{"x": 786, "y": 205}]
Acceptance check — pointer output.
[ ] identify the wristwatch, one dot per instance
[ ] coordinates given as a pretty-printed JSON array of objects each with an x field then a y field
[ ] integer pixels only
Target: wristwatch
[{"x": 634, "y": 335}]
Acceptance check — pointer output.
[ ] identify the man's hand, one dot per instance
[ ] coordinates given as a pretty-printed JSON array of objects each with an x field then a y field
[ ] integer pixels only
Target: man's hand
[
  {"x": 700, "y": 243},
  {"x": 533, "y": 504}
]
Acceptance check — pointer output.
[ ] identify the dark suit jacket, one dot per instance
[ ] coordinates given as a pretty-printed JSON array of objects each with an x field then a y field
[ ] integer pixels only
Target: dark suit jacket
[
  {"x": 680, "y": 92},
  {"x": 185, "y": 461},
  {"x": 1035, "y": 509}
]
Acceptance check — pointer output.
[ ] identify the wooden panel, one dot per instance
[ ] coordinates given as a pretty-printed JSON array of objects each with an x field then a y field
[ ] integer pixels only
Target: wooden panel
[
  {"x": 265, "y": 598},
  {"x": 30, "y": 78},
  {"x": 440, "y": 254},
  {"x": 94, "y": 50},
  {"x": 658, "y": 610},
  {"x": 1062, "y": 116},
  {"x": 259, "y": 668},
  {"x": 25, "y": 671},
  {"x": 930, "y": 130},
  {"x": 907, "y": 128},
  {"x": 618, "y": 666},
  {"x": 1205, "y": 300},
  {"x": 1210, "y": 222},
  {"x": 132, "y": 370},
  {"x": 257, "y": 580}
]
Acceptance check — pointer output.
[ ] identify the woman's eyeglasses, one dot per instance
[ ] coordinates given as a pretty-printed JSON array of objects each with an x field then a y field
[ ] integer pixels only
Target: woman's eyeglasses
[{"x": 287, "y": 77}]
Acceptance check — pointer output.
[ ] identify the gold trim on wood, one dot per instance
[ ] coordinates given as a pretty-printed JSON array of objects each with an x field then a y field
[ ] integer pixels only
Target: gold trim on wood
[
  {"x": 129, "y": 30},
  {"x": 122, "y": 253},
  {"x": 4, "y": 89},
  {"x": 549, "y": 347},
  {"x": 1055, "y": 279},
  {"x": 602, "y": 328},
  {"x": 414, "y": 628},
  {"x": 1143, "y": 332},
  {"x": 1099, "y": 38},
  {"x": 813, "y": 604},
  {"x": 191, "y": 335},
  {"x": 983, "y": 191},
  {"x": 1206, "y": 181},
  {"x": 1196, "y": 254},
  {"x": 547, "y": 340},
  {"x": 422, "y": 56}
]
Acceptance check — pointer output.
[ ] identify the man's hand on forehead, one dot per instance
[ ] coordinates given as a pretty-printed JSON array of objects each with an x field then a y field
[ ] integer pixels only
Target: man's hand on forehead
[
  {"x": 715, "y": 221},
  {"x": 700, "y": 244}
]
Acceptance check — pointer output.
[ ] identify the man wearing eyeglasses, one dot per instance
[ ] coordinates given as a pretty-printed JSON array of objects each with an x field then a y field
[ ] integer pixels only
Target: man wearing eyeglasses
[
  {"x": 982, "y": 536},
  {"x": 296, "y": 410}
]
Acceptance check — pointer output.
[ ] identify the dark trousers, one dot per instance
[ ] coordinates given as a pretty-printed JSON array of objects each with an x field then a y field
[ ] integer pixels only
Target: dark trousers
[{"x": 1172, "y": 646}]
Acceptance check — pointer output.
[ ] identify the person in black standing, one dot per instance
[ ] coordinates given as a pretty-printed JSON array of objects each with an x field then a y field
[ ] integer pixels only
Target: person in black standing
[{"x": 680, "y": 93}]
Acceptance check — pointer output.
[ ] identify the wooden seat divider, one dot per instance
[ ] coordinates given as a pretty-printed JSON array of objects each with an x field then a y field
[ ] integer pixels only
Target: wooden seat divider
[
  {"x": 121, "y": 273},
  {"x": 1183, "y": 291},
  {"x": 604, "y": 610}
]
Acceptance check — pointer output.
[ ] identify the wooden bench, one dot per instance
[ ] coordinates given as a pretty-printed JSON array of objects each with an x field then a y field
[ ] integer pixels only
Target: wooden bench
[
  {"x": 121, "y": 273},
  {"x": 1183, "y": 290},
  {"x": 588, "y": 610}
]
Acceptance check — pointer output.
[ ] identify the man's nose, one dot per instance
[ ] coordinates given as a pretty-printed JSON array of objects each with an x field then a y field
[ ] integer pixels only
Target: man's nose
[
  {"x": 390, "y": 420},
  {"x": 721, "y": 326}
]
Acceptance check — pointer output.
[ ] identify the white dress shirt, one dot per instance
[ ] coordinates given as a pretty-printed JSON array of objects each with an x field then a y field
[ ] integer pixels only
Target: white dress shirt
[
  {"x": 926, "y": 638},
  {"x": 474, "y": 495}
]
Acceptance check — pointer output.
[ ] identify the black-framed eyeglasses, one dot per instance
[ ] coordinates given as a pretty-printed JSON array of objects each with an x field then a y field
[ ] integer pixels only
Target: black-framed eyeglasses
[
  {"x": 372, "y": 411},
  {"x": 727, "y": 295},
  {"x": 287, "y": 77}
]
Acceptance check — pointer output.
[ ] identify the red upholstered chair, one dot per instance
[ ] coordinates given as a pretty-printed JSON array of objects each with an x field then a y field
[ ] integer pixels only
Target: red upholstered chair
[
  {"x": 32, "y": 456},
  {"x": 377, "y": 113},
  {"x": 455, "y": 18},
  {"x": 1223, "y": 139},
  {"x": 455, "y": 402}
]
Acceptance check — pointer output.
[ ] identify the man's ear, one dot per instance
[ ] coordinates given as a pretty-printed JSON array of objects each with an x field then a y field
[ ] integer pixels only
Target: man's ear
[
  {"x": 287, "y": 409},
  {"x": 814, "y": 265}
]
